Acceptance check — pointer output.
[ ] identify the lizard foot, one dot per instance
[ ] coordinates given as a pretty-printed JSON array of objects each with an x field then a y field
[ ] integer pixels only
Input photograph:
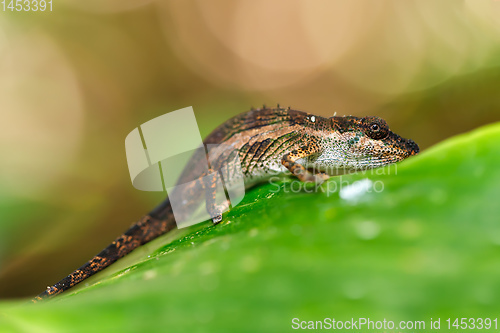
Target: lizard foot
[
  {"x": 320, "y": 178},
  {"x": 217, "y": 210}
]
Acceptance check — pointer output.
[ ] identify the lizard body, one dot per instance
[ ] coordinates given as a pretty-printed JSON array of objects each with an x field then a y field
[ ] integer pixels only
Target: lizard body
[{"x": 267, "y": 141}]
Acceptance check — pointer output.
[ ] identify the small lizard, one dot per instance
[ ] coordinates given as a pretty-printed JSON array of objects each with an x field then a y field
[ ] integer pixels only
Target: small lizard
[{"x": 267, "y": 141}]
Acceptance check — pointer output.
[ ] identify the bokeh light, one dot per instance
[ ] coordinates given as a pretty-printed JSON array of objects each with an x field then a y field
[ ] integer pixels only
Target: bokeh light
[
  {"x": 40, "y": 103},
  {"x": 107, "y": 6},
  {"x": 75, "y": 81}
]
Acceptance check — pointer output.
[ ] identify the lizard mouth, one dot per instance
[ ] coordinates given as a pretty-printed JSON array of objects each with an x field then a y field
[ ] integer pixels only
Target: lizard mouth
[{"x": 401, "y": 147}]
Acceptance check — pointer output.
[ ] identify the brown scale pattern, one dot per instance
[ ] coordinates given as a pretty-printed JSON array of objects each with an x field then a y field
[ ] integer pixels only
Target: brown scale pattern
[{"x": 140, "y": 233}]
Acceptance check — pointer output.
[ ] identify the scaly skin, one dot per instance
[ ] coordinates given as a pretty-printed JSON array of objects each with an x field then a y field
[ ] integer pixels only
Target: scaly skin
[{"x": 268, "y": 141}]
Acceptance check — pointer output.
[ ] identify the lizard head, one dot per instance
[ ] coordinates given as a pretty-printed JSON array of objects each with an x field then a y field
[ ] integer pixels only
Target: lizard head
[{"x": 364, "y": 143}]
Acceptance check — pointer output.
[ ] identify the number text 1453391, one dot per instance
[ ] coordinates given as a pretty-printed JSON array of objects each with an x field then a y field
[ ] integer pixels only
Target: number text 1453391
[{"x": 26, "y": 5}]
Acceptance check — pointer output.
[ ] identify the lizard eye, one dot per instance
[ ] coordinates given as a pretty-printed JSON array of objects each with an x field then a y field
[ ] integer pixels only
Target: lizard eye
[{"x": 376, "y": 128}]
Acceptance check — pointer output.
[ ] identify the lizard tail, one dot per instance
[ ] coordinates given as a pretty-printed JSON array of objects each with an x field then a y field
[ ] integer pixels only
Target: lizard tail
[{"x": 158, "y": 222}]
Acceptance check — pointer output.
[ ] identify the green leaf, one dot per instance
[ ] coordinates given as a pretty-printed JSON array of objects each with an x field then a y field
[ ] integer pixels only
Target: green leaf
[{"x": 414, "y": 241}]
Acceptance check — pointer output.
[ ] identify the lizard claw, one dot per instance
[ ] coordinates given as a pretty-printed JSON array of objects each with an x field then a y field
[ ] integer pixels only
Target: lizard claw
[
  {"x": 320, "y": 178},
  {"x": 217, "y": 219},
  {"x": 216, "y": 211}
]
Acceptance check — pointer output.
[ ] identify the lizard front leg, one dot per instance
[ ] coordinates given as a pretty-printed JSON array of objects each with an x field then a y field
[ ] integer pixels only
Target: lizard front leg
[
  {"x": 289, "y": 160},
  {"x": 215, "y": 211}
]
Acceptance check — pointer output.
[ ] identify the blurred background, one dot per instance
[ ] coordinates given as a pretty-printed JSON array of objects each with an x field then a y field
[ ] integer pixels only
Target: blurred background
[{"x": 75, "y": 81}]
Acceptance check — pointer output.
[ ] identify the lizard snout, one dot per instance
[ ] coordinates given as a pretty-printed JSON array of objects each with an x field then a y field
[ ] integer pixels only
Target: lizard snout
[{"x": 413, "y": 147}]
